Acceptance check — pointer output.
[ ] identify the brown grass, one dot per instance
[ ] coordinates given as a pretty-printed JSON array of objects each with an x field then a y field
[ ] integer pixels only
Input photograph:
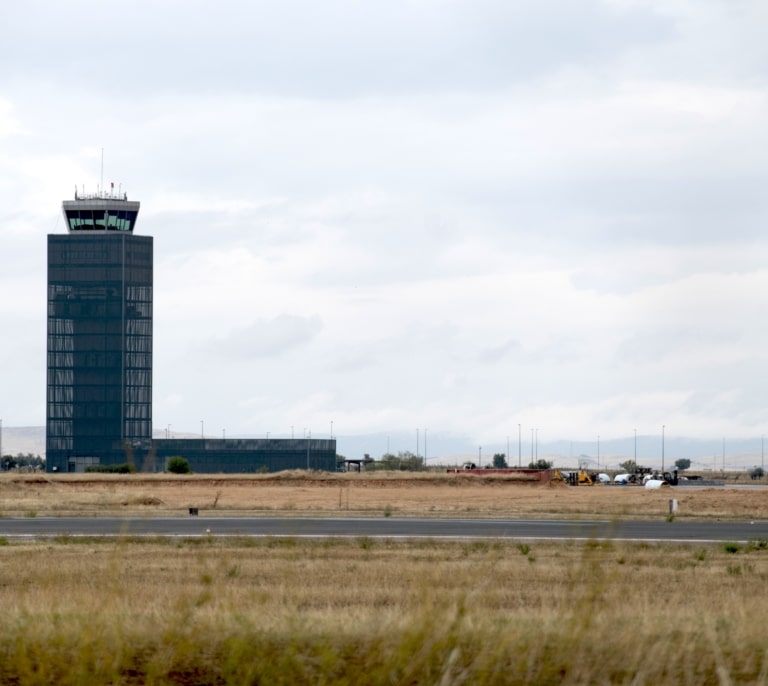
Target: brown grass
[
  {"x": 347, "y": 611},
  {"x": 396, "y": 493},
  {"x": 381, "y": 612}
]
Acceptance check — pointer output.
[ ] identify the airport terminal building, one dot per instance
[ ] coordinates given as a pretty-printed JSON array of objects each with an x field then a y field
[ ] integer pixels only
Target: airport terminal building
[
  {"x": 99, "y": 357},
  {"x": 245, "y": 455}
]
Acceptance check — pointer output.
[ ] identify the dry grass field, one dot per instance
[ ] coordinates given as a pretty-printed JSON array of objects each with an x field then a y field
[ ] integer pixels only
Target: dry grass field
[
  {"x": 396, "y": 493},
  {"x": 367, "y": 611},
  {"x": 364, "y": 611}
]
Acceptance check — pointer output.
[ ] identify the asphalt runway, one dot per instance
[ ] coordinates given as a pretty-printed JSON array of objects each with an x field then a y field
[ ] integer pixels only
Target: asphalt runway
[{"x": 387, "y": 527}]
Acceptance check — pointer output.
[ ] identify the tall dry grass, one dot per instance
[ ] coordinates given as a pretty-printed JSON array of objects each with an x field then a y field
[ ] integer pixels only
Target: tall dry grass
[{"x": 291, "y": 611}]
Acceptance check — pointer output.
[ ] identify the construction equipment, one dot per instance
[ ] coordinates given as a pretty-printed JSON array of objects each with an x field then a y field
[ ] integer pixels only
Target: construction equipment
[{"x": 580, "y": 478}]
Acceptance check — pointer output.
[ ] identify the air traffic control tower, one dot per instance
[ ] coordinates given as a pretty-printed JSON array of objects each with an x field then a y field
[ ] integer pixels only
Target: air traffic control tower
[{"x": 99, "y": 384}]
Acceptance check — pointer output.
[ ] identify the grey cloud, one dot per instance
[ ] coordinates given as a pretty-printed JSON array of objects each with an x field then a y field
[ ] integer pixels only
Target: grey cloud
[
  {"x": 266, "y": 338},
  {"x": 336, "y": 48},
  {"x": 499, "y": 352}
]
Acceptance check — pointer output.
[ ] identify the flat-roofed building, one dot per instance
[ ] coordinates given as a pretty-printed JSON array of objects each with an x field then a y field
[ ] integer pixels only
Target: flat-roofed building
[{"x": 246, "y": 455}]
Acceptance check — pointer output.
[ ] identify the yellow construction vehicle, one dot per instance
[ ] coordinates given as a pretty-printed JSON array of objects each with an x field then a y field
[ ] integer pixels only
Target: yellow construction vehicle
[{"x": 580, "y": 478}]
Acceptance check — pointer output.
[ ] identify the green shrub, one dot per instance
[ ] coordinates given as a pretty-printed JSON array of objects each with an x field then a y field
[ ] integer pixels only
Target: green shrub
[
  {"x": 178, "y": 465},
  {"x": 124, "y": 468}
]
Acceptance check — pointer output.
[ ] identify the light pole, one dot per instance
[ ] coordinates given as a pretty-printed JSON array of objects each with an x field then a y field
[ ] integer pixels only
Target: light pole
[
  {"x": 168, "y": 431},
  {"x": 425, "y": 448},
  {"x": 663, "y": 426},
  {"x": 531, "y": 446},
  {"x": 480, "y": 456},
  {"x": 519, "y": 445},
  {"x": 331, "y": 429},
  {"x": 417, "y": 444},
  {"x": 723, "y": 454},
  {"x": 537, "y": 445},
  {"x": 762, "y": 452},
  {"x": 202, "y": 428}
]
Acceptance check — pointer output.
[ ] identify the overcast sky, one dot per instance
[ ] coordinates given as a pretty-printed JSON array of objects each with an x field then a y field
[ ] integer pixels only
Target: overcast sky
[{"x": 455, "y": 215}]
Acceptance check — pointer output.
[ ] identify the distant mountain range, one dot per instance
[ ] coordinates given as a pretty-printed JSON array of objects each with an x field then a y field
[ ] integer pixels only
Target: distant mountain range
[{"x": 452, "y": 449}]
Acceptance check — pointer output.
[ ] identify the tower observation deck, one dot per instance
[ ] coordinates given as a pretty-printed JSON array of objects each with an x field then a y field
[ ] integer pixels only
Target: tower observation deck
[{"x": 102, "y": 211}]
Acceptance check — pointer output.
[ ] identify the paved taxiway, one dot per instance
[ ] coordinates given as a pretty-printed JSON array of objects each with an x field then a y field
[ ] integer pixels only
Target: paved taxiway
[{"x": 388, "y": 527}]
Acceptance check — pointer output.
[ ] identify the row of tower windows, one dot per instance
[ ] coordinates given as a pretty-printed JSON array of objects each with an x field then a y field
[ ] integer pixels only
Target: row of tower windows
[{"x": 101, "y": 220}]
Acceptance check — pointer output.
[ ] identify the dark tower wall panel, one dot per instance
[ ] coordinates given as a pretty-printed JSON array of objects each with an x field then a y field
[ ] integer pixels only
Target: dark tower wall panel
[{"x": 99, "y": 398}]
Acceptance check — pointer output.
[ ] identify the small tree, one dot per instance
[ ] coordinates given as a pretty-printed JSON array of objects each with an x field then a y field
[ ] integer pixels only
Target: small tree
[
  {"x": 683, "y": 463},
  {"x": 178, "y": 465},
  {"x": 499, "y": 461},
  {"x": 404, "y": 461},
  {"x": 629, "y": 466},
  {"x": 540, "y": 464}
]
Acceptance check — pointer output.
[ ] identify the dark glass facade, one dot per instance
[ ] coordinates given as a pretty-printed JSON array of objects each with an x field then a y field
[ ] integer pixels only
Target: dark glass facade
[
  {"x": 99, "y": 385},
  {"x": 245, "y": 455}
]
